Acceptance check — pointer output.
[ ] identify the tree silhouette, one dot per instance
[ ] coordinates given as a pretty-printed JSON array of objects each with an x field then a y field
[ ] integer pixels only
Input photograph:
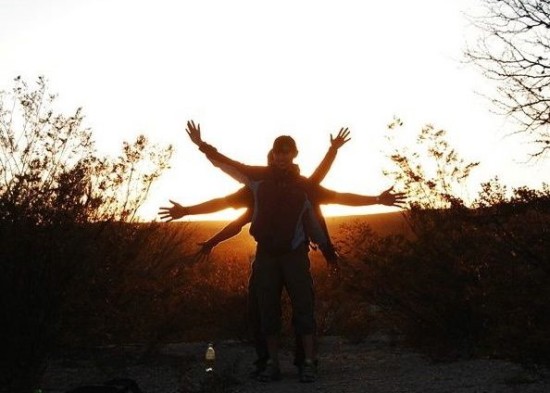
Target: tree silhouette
[
  {"x": 514, "y": 51},
  {"x": 67, "y": 224},
  {"x": 50, "y": 172}
]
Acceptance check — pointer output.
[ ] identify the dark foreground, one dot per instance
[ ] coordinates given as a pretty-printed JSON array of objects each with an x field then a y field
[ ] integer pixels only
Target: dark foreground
[{"x": 374, "y": 365}]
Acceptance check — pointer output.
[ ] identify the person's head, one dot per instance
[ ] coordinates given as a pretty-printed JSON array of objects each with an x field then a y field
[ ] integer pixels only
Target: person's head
[{"x": 284, "y": 151}]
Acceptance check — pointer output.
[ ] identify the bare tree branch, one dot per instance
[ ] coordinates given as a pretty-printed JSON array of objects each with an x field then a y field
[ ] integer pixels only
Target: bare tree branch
[{"x": 514, "y": 51}]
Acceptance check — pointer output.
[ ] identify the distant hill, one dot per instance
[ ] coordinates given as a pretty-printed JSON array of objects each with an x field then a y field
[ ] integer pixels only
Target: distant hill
[{"x": 381, "y": 223}]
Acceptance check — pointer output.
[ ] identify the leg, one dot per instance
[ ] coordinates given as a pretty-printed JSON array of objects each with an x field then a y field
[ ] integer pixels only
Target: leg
[
  {"x": 299, "y": 354},
  {"x": 309, "y": 347},
  {"x": 273, "y": 348},
  {"x": 299, "y": 285},
  {"x": 253, "y": 310},
  {"x": 269, "y": 287}
]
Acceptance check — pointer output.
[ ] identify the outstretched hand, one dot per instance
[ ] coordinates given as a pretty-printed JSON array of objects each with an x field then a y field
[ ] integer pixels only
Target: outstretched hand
[
  {"x": 194, "y": 132},
  {"x": 173, "y": 212},
  {"x": 390, "y": 198},
  {"x": 204, "y": 253},
  {"x": 341, "y": 139},
  {"x": 332, "y": 258}
]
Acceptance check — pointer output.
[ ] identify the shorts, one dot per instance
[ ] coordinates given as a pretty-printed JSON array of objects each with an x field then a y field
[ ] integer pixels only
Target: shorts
[{"x": 290, "y": 270}]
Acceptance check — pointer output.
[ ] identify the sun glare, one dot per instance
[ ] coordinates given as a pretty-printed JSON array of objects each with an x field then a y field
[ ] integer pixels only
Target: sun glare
[{"x": 249, "y": 71}]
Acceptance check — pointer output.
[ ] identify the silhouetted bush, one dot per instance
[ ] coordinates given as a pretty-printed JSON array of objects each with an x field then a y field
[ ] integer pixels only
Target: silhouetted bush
[
  {"x": 471, "y": 279},
  {"x": 60, "y": 205},
  {"x": 77, "y": 269}
]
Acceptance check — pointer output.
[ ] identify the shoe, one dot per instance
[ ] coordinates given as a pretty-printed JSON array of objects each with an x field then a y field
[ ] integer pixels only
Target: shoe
[
  {"x": 270, "y": 373},
  {"x": 299, "y": 363},
  {"x": 308, "y": 371},
  {"x": 259, "y": 367}
]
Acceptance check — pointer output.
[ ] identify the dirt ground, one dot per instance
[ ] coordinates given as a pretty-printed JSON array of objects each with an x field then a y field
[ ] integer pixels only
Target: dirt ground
[{"x": 373, "y": 365}]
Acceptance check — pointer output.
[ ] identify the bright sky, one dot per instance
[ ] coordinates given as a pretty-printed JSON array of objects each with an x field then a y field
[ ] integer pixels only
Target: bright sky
[{"x": 250, "y": 70}]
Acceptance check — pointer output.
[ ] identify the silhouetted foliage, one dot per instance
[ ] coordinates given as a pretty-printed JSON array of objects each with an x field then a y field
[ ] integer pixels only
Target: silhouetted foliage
[
  {"x": 50, "y": 172},
  {"x": 513, "y": 51},
  {"x": 471, "y": 278},
  {"x": 61, "y": 206},
  {"x": 429, "y": 169},
  {"x": 467, "y": 277}
]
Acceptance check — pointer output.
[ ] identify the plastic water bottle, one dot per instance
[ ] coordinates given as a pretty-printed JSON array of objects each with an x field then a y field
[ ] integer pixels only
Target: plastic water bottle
[{"x": 210, "y": 358}]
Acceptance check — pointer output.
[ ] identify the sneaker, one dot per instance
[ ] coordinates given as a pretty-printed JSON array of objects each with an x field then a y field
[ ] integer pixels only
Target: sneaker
[
  {"x": 300, "y": 363},
  {"x": 308, "y": 371},
  {"x": 258, "y": 369},
  {"x": 270, "y": 373}
]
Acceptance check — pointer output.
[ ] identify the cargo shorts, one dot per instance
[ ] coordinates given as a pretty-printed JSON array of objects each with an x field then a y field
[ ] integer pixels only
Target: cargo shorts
[{"x": 291, "y": 270}]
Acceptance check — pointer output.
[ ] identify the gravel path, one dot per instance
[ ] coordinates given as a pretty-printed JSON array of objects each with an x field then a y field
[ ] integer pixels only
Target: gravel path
[{"x": 373, "y": 365}]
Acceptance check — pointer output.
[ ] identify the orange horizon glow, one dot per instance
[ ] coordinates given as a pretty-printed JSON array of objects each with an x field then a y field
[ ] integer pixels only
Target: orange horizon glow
[{"x": 328, "y": 212}]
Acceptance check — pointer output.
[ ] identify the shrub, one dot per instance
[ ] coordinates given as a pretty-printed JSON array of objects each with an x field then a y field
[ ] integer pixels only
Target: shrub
[
  {"x": 59, "y": 206},
  {"x": 472, "y": 278}
]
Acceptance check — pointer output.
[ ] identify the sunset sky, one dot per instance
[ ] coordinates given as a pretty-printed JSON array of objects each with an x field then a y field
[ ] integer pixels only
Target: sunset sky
[{"x": 248, "y": 71}]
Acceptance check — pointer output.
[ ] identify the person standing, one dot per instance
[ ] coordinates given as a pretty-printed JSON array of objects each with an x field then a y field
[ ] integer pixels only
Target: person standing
[
  {"x": 283, "y": 214},
  {"x": 243, "y": 198}
]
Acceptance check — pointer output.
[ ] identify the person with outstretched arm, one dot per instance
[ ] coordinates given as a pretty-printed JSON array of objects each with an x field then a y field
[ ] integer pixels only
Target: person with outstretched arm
[
  {"x": 283, "y": 203},
  {"x": 243, "y": 198}
]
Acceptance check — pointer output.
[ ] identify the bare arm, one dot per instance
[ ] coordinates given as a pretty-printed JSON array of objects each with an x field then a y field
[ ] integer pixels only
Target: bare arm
[
  {"x": 236, "y": 200},
  {"x": 388, "y": 198},
  {"x": 239, "y": 171},
  {"x": 170, "y": 213},
  {"x": 230, "y": 230},
  {"x": 335, "y": 143}
]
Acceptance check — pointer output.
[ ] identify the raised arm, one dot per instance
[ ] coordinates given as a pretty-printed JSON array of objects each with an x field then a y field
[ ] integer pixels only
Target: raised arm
[
  {"x": 239, "y": 171},
  {"x": 335, "y": 143}
]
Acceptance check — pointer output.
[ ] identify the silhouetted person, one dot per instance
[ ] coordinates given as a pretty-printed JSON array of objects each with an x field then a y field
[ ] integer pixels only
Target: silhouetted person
[
  {"x": 283, "y": 209},
  {"x": 244, "y": 198}
]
